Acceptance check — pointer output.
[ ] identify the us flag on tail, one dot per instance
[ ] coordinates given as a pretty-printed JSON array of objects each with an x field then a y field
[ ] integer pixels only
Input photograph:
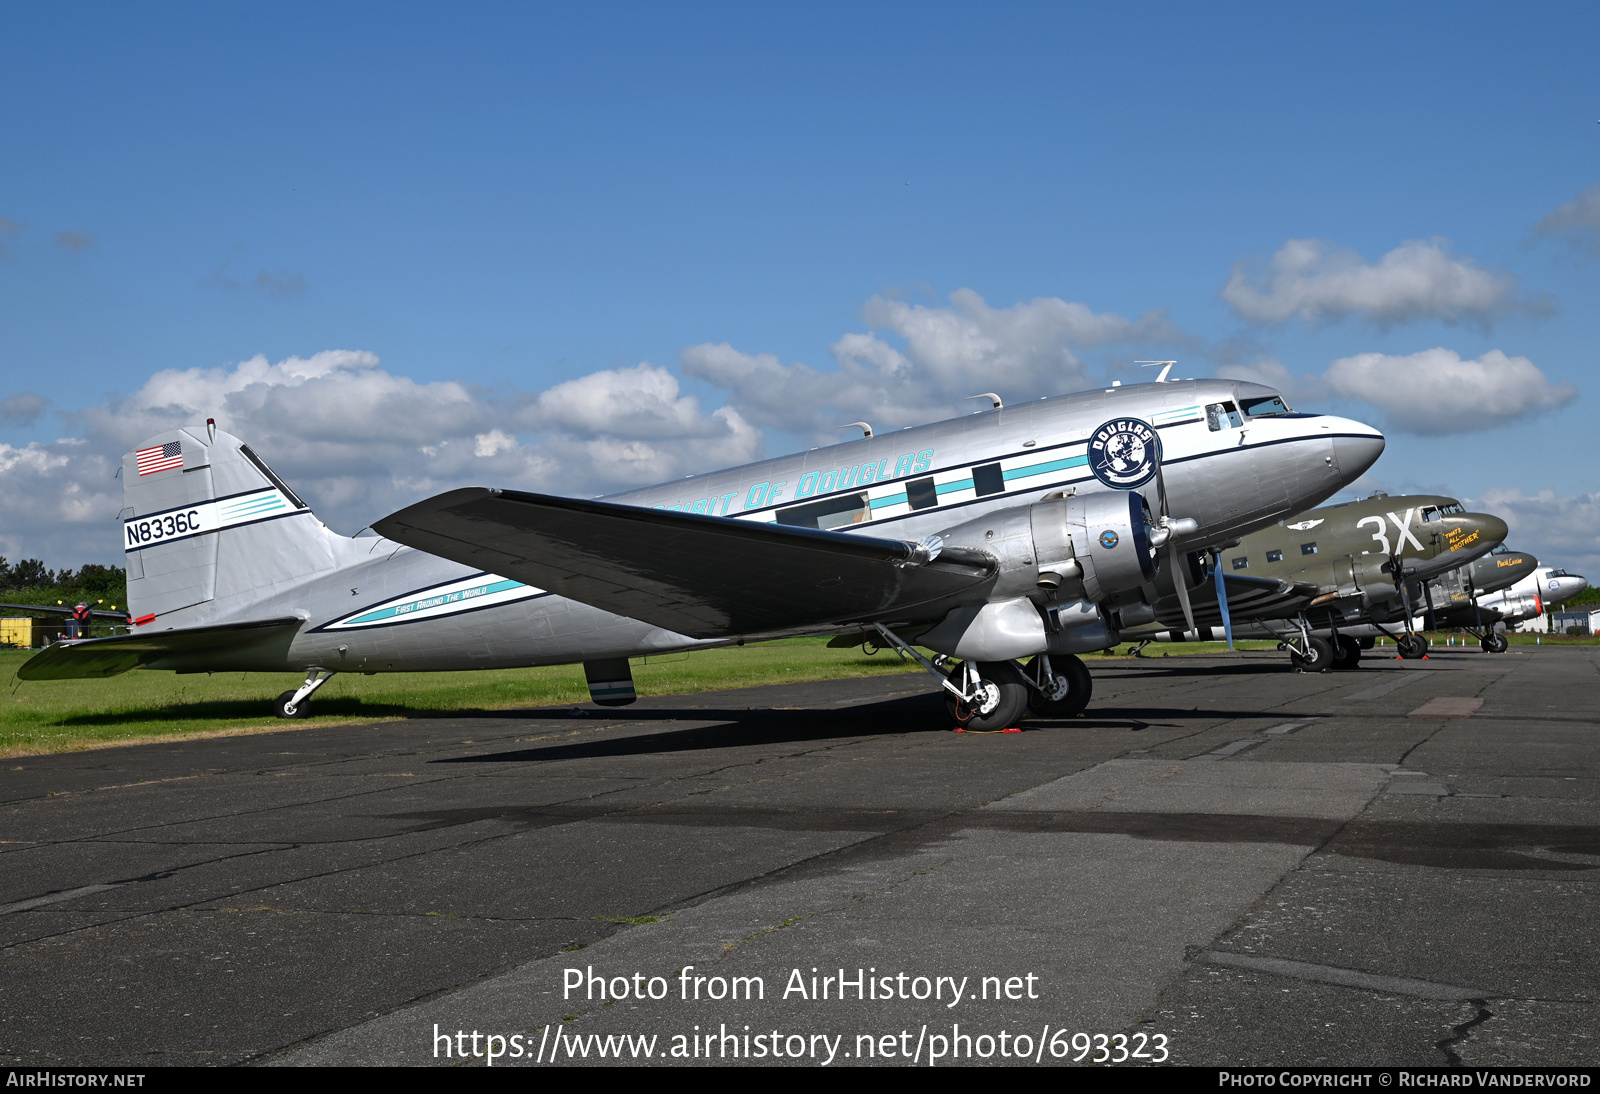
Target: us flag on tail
[{"x": 160, "y": 457}]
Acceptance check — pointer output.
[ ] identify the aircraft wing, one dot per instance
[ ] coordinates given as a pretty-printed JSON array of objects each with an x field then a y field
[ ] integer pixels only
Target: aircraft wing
[
  {"x": 706, "y": 577},
  {"x": 96, "y": 658},
  {"x": 1248, "y": 598}
]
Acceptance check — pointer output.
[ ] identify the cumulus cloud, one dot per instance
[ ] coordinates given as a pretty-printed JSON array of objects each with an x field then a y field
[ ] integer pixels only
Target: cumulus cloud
[
  {"x": 359, "y": 442},
  {"x": 1560, "y": 530},
  {"x": 74, "y": 241},
  {"x": 918, "y": 361},
  {"x": 23, "y": 408},
  {"x": 1417, "y": 281},
  {"x": 1578, "y": 221},
  {"x": 1436, "y": 391}
]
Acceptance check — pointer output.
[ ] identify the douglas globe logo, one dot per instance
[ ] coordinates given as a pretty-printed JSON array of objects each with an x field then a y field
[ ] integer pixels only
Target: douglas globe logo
[{"x": 1124, "y": 453}]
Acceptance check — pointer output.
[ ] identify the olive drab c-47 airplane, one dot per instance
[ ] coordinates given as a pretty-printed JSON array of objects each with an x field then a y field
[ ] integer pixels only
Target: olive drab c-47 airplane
[
  {"x": 1018, "y": 532},
  {"x": 1341, "y": 571}
]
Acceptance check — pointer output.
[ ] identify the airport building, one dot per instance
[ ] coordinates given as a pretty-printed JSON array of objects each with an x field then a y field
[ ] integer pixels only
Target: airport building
[{"x": 1587, "y": 618}]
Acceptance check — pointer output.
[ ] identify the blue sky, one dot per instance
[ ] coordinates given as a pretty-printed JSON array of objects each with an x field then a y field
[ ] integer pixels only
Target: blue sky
[{"x": 503, "y": 212}]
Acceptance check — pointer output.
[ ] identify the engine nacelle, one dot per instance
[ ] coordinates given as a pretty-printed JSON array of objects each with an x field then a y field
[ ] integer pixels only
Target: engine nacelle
[
  {"x": 1100, "y": 541},
  {"x": 1058, "y": 560}
]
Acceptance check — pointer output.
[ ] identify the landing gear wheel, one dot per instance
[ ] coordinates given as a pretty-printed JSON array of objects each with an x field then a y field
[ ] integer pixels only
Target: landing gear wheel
[
  {"x": 281, "y": 707},
  {"x": 1346, "y": 653},
  {"x": 1367, "y": 643},
  {"x": 1495, "y": 643},
  {"x": 1001, "y": 699},
  {"x": 1411, "y": 646},
  {"x": 1317, "y": 658},
  {"x": 1073, "y": 688}
]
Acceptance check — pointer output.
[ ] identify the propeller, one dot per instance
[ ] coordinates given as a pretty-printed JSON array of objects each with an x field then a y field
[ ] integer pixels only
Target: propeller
[
  {"x": 1405, "y": 591},
  {"x": 1179, "y": 581},
  {"x": 1222, "y": 596},
  {"x": 1427, "y": 595}
]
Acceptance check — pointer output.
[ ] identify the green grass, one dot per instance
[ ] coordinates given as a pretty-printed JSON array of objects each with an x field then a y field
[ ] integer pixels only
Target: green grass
[{"x": 139, "y": 706}]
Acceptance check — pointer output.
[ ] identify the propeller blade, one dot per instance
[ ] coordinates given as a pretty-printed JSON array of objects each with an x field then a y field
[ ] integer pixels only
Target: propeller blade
[
  {"x": 1222, "y": 597},
  {"x": 1181, "y": 582},
  {"x": 1427, "y": 595}
]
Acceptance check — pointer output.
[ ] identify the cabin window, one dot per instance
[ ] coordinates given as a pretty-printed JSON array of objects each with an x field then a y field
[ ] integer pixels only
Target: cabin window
[
  {"x": 922, "y": 494},
  {"x": 828, "y": 514},
  {"x": 1242, "y": 562},
  {"x": 988, "y": 479},
  {"x": 1308, "y": 548},
  {"x": 1262, "y": 408},
  {"x": 1222, "y": 416},
  {"x": 1274, "y": 556}
]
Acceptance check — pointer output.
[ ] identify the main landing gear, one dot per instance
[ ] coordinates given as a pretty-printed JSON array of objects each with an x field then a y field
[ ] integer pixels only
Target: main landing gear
[
  {"x": 1412, "y": 646},
  {"x": 1346, "y": 652},
  {"x": 297, "y": 704},
  {"x": 1307, "y": 652},
  {"x": 1494, "y": 642},
  {"x": 990, "y": 695}
]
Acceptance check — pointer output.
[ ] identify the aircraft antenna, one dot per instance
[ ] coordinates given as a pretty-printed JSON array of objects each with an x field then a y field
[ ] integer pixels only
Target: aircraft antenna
[
  {"x": 865, "y": 428},
  {"x": 992, "y": 397},
  {"x": 1167, "y": 367}
]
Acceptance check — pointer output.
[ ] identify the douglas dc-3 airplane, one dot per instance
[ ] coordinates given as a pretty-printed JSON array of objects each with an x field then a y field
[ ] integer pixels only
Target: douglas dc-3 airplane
[
  {"x": 1325, "y": 582},
  {"x": 1012, "y": 533}
]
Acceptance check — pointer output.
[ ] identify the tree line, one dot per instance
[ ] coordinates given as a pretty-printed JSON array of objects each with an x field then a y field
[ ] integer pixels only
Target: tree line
[{"x": 31, "y": 581}]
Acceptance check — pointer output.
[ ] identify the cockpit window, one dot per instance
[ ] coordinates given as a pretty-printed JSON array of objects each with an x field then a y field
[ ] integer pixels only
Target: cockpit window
[
  {"x": 1261, "y": 408},
  {"x": 1453, "y": 507},
  {"x": 1501, "y": 550},
  {"x": 1430, "y": 512},
  {"x": 1222, "y": 416}
]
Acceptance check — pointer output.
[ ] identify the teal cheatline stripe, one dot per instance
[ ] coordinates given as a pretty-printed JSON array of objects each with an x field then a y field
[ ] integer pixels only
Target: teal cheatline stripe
[
  {"x": 1045, "y": 468},
  {"x": 891, "y": 499},
  {"x": 952, "y": 487},
  {"x": 461, "y": 598},
  {"x": 264, "y": 506}
]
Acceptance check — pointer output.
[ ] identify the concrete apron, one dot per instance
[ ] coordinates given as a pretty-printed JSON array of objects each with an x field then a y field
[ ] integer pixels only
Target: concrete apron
[{"x": 1081, "y": 899}]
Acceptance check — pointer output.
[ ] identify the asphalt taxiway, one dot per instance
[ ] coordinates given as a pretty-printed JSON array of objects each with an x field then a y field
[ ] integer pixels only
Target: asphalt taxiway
[{"x": 1396, "y": 865}]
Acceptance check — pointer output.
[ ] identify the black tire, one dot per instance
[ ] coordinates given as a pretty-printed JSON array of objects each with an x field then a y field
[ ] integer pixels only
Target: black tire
[
  {"x": 1006, "y": 697},
  {"x": 280, "y": 707},
  {"x": 1411, "y": 646},
  {"x": 1495, "y": 643},
  {"x": 1346, "y": 653},
  {"x": 1317, "y": 658},
  {"x": 1080, "y": 687}
]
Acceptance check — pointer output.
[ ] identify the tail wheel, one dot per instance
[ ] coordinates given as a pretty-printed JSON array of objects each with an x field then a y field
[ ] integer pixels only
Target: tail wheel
[
  {"x": 1495, "y": 643},
  {"x": 1411, "y": 646},
  {"x": 1347, "y": 653},
  {"x": 1073, "y": 687},
  {"x": 1317, "y": 658},
  {"x": 1002, "y": 696},
  {"x": 281, "y": 707}
]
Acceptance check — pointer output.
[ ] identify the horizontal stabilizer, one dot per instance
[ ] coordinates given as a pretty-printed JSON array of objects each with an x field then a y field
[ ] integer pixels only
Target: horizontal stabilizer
[
  {"x": 94, "y": 658},
  {"x": 55, "y": 609},
  {"x": 706, "y": 577}
]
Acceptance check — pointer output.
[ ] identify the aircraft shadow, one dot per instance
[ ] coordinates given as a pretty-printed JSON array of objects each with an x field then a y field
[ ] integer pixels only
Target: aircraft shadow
[
  {"x": 744, "y": 728},
  {"x": 741, "y": 728}
]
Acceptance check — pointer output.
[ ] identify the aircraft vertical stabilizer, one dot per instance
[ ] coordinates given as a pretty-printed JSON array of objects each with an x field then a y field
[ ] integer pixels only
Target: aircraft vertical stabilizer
[{"x": 208, "y": 528}]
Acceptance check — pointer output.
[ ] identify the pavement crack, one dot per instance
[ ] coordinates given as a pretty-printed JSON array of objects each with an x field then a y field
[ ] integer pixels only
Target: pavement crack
[{"x": 1463, "y": 1031}]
